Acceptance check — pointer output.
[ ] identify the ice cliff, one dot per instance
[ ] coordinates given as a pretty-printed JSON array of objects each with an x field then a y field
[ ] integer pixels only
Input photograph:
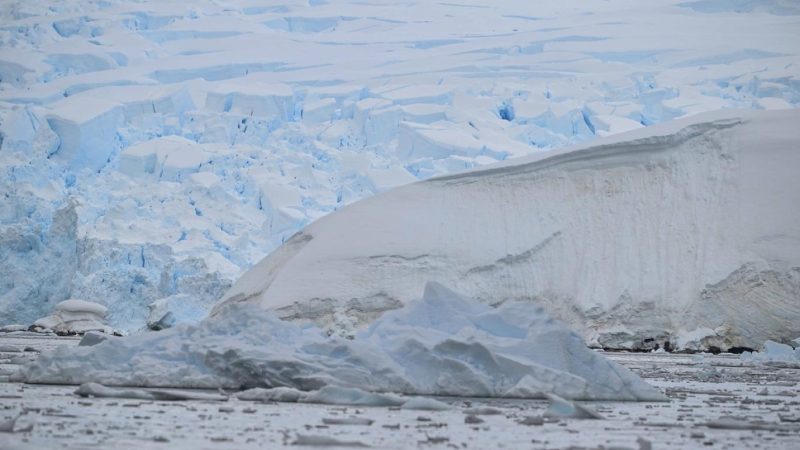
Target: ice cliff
[
  {"x": 687, "y": 232},
  {"x": 441, "y": 344}
]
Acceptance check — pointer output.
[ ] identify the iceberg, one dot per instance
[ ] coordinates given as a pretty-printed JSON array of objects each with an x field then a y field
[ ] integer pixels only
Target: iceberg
[
  {"x": 75, "y": 317},
  {"x": 441, "y": 344},
  {"x": 631, "y": 240}
]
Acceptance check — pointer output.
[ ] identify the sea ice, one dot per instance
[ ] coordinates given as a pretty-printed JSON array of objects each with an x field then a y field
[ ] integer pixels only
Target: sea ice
[{"x": 441, "y": 344}]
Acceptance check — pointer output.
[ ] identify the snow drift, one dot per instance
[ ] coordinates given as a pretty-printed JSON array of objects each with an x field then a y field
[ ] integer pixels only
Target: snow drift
[
  {"x": 442, "y": 344},
  {"x": 687, "y": 231}
]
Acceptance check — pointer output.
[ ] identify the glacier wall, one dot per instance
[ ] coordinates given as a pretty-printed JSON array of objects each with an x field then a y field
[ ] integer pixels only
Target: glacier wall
[
  {"x": 686, "y": 232},
  {"x": 199, "y": 138}
]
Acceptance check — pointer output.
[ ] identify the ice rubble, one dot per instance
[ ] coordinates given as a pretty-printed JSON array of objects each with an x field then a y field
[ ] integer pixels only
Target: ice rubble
[
  {"x": 775, "y": 353},
  {"x": 442, "y": 344},
  {"x": 157, "y": 118},
  {"x": 75, "y": 317},
  {"x": 635, "y": 240}
]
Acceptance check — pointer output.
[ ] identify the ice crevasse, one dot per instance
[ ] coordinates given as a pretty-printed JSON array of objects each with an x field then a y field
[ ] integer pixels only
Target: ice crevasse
[
  {"x": 441, "y": 344},
  {"x": 687, "y": 232}
]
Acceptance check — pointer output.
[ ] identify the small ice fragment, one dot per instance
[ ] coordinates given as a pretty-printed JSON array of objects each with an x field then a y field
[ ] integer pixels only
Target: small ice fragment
[
  {"x": 484, "y": 411},
  {"x": 278, "y": 394},
  {"x": 94, "y": 338},
  {"x": 472, "y": 419},
  {"x": 425, "y": 404},
  {"x": 98, "y": 390},
  {"x": 532, "y": 421},
  {"x": 337, "y": 395},
  {"x": 347, "y": 421},
  {"x": 325, "y": 441},
  {"x": 560, "y": 407}
]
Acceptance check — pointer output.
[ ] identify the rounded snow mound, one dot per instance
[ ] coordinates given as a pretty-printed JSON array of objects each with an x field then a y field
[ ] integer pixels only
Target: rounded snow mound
[
  {"x": 442, "y": 344},
  {"x": 75, "y": 317}
]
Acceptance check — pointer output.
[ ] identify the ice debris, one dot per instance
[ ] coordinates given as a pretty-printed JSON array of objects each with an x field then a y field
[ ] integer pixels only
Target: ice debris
[
  {"x": 774, "y": 353},
  {"x": 325, "y": 441},
  {"x": 75, "y": 317},
  {"x": 441, "y": 344},
  {"x": 560, "y": 407},
  {"x": 98, "y": 390}
]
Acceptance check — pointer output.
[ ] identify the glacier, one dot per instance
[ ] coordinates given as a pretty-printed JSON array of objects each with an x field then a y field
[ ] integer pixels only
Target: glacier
[
  {"x": 440, "y": 344},
  {"x": 152, "y": 152},
  {"x": 636, "y": 240}
]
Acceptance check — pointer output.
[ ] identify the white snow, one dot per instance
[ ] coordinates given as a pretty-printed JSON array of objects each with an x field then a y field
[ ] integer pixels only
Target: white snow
[
  {"x": 442, "y": 344},
  {"x": 243, "y": 95},
  {"x": 632, "y": 240}
]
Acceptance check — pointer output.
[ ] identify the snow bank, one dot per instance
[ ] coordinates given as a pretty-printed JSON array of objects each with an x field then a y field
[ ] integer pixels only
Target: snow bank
[
  {"x": 442, "y": 344},
  {"x": 75, "y": 317},
  {"x": 690, "y": 225}
]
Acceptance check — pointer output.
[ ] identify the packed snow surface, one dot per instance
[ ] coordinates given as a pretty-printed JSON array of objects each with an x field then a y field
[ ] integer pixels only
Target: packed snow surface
[
  {"x": 195, "y": 138},
  {"x": 442, "y": 344},
  {"x": 682, "y": 232}
]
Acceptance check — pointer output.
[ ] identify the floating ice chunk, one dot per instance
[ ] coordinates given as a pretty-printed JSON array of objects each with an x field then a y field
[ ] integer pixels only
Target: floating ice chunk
[
  {"x": 278, "y": 394},
  {"x": 75, "y": 316},
  {"x": 337, "y": 395},
  {"x": 98, "y": 390},
  {"x": 425, "y": 404},
  {"x": 347, "y": 421},
  {"x": 562, "y": 408},
  {"x": 325, "y": 441},
  {"x": 93, "y": 338},
  {"x": 774, "y": 353},
  {"x": 442, "y": 344}
]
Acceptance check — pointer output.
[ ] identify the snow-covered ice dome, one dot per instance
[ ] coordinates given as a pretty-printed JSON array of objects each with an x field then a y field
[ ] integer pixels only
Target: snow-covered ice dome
[
  {"x": 641, "y": 238},
  {"x": 75, "y": 316},
  {"x": 156, "y": 150},
  {"x": 441, "y": 344}
]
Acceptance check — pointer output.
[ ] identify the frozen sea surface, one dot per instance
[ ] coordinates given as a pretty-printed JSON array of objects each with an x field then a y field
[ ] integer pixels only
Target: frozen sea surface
[{"x": 715, "y": 402}]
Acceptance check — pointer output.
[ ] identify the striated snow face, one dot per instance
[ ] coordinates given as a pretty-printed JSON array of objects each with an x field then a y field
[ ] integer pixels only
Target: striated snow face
[
  {"x": 442, "y": 344},
  {"x": 195, "y": 139},
  {"x": 687, "y": 233}
]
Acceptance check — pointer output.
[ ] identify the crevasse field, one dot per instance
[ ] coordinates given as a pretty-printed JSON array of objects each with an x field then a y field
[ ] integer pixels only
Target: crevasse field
[{"x": 157, "y": 150}]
